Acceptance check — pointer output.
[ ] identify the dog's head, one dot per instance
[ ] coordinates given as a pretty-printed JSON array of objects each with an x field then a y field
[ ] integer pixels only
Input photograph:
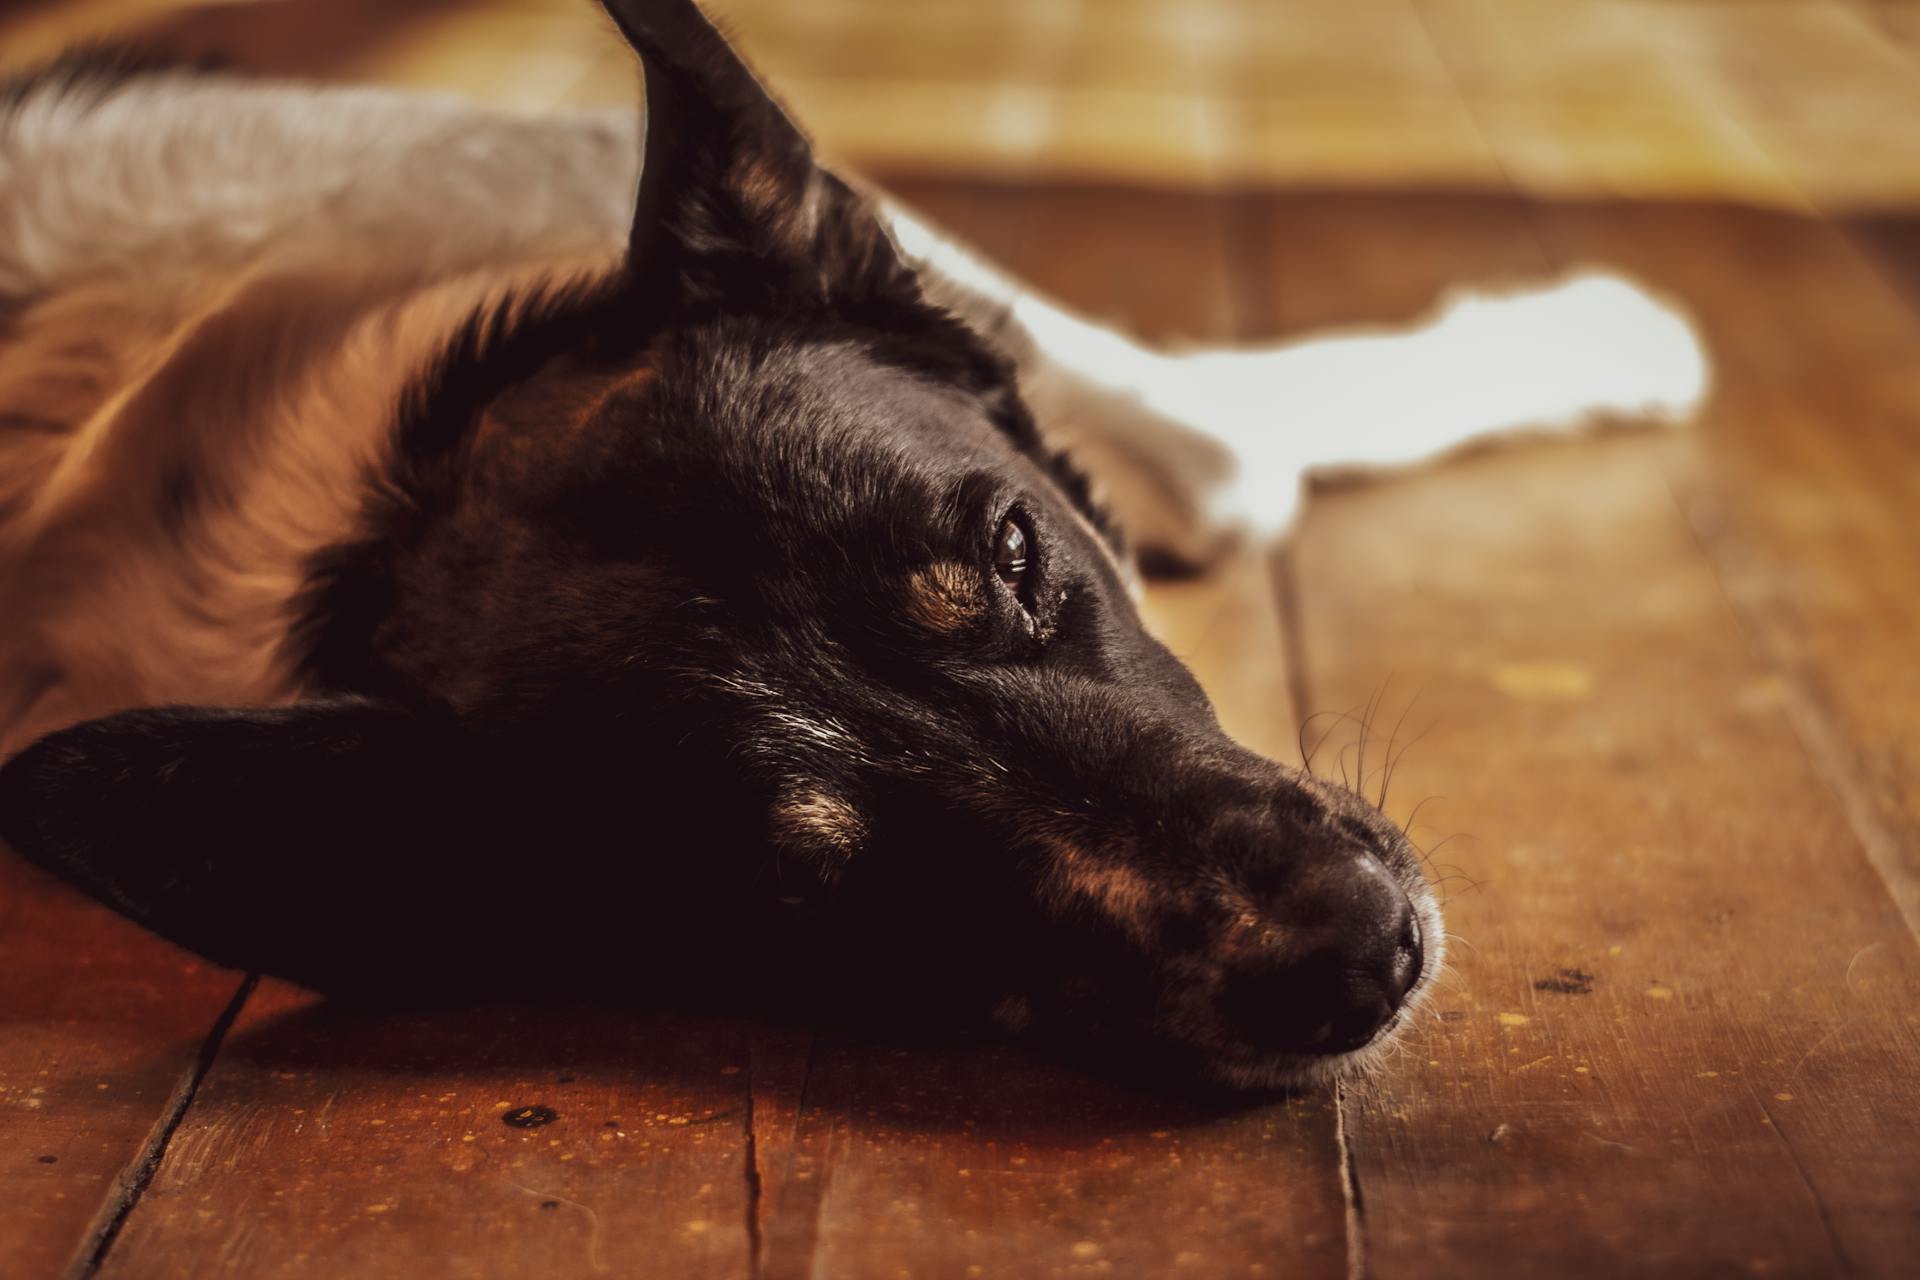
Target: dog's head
[{"x": 743, "y": 577}]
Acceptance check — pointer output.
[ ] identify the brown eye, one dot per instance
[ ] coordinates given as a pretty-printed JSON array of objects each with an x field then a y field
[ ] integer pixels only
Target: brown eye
[{"x": 1010, "y": 553}]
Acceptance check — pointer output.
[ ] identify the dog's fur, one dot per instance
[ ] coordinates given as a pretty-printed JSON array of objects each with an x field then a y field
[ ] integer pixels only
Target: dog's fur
[{"x": 585, "y": 574}]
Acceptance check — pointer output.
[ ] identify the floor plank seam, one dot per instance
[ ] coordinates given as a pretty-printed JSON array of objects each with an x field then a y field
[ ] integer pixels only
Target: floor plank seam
[
  {"x": 1823, "y": 743},
  {"x": 1437, "y": 47},
  {"x": 133, "y": 1182},
  {"x": 1819, "y": 1205},
  {"x": 756, "y": 1185},
  {"x": 825, "y": 1176},
  {"x": 1250, "y": 267},
  {"x": 1885, "y": 265},
  {"x": 1356, "y": 1218},
  {"x": 1286, "y": 599}
]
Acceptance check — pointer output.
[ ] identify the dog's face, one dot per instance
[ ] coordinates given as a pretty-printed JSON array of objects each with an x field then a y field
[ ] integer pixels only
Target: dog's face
[{"x": 745, "y": 578}]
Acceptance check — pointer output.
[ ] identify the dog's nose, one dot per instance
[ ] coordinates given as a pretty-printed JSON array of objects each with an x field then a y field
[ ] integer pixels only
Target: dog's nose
[{"x": 1354, "y": 952}]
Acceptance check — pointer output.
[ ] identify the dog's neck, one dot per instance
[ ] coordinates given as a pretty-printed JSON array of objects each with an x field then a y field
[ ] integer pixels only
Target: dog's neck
[{"x": 198, "y": 464}]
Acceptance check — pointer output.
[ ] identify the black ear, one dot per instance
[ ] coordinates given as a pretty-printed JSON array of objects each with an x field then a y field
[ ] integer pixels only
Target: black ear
[
  {"x": 731, "y": 203},
  {"x": 357, "y": 847}
]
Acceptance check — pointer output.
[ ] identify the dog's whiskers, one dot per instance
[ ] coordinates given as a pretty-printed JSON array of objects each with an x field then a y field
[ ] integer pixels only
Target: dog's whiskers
[{"x": 1406, "y": 828}]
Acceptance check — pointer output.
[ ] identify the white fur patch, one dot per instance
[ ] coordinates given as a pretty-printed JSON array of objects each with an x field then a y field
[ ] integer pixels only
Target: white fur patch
[{"x": 1193, "y": 450}]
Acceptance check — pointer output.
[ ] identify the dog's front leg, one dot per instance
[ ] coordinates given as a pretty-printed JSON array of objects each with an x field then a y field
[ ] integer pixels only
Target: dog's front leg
[{"x": 1195, "y": 450}]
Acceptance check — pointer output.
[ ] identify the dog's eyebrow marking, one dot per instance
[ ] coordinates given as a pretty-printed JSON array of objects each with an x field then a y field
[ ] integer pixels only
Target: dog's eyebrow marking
[
  {"x": 1122, "y": 893},
  {"x": 946, "y": 597},
  {"x": 820, "y": 826}
]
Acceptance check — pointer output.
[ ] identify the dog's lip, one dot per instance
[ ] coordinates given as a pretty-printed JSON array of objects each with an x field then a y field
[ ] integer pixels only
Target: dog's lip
[
  {"x": 1245, "y": 1067},
  {"x": 1253, "y": 1070}
]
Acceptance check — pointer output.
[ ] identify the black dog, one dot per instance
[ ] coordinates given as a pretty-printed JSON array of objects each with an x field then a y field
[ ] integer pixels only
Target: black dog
[{"x": 727, "y": 581}]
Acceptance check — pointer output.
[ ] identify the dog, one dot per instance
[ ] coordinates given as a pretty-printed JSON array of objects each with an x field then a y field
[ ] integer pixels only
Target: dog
[{"x": 446, "y": 550}]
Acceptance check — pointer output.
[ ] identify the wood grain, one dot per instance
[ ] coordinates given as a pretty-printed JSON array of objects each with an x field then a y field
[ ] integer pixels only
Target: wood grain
[
  {"x": 101, "y": 1031},
  {"x": 486, "y": 1143},
  {"x": 1153, "y": 260},
  {"x": 1317, "y": 260},
  {"x": 1789, "y": 105},
  {"x": 1680, "y": 1035},
  {"x": 986, "y": 1163},
  {"x": 1808, "y": 480}
]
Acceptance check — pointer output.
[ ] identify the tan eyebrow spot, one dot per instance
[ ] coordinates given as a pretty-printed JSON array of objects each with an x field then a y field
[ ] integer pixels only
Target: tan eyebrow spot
[
  {"x": 819, "y": 826},
  {"x": 1120, "y": 892},
  {"x": 945, "y": 596}
]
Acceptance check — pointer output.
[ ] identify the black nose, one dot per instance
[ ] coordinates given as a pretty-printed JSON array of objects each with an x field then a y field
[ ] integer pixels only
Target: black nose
[{"x": 1350, "y": 954}]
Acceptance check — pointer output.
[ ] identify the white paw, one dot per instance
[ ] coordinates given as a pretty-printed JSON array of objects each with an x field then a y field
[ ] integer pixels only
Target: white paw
[{"x": 1595, "y": 347}]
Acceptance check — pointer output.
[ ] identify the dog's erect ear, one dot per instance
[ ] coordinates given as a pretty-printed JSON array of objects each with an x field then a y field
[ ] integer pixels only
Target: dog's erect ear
[
  {"x": 731, "y": 203},
  {"x": 355, "y": 846}
]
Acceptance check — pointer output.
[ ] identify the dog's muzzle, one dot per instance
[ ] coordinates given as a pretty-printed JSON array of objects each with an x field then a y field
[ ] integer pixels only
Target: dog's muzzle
[{"x": 1348, "y": 963}]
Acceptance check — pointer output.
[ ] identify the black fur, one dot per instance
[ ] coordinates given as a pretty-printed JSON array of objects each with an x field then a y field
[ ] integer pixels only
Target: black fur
[{"x": 675, "y": 644}]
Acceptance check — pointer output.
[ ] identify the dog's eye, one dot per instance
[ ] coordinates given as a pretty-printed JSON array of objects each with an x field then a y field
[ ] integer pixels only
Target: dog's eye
[{"x": 1010, "y": 553}]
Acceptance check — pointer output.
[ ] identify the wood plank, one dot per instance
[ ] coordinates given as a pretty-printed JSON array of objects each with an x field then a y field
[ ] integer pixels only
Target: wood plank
[
  {"x": 506, "y": 1142},
  {"x": 1819, "y": 90},
  {"x": 1589, "y": 99},
  {"x": 1680, "y": 1035},
  {"x": 971, "y": 1163},
  {"x": 1805, "y": 498},
  {"x": 1810, "y": 476},
  {"x": 1678, "y": 960},
  {"x": 1152, "y": 260},
  {"x": 1320, "y": 260},
  {"x": 101, "y": 1031},
  {"x": 288, "y": 37},
  {"x": 941, "y": 1161}
]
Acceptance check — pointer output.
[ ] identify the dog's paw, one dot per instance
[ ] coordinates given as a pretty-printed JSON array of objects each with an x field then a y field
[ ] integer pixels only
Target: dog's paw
[{"x": 1593, "y": 348}]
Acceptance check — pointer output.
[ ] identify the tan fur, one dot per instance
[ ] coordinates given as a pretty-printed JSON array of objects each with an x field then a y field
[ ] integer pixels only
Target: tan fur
[
  {"x": 212, "y": 292},
  {"x": 945, "y": 597},
  {"x": 1118, "y": 891},
  {"x": 819, "y": 826},
  {"x": 178, "y": 464}
]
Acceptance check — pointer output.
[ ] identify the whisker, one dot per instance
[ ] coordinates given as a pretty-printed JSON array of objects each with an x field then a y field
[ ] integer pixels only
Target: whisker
[
  {"x": 1321, "y": 741},
  {"x": 1387, "y": 777},
  {"x": 1393, "y": 761},
  {"x": 1406, "y": 828},
  {"x": 1366, "y": 723},
  {"x": 1458, "y": 835},
  {"x": 1358, "y": 781}
]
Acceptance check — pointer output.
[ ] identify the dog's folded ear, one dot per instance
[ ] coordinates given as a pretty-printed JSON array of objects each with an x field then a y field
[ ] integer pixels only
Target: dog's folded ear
[
  {"x": 356, "y": 846},
  {"x": 731, "y": 203}
]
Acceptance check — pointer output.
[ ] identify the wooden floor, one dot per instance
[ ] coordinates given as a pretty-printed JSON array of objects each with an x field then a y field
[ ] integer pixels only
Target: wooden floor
[{"x": 1670, "y": 775}]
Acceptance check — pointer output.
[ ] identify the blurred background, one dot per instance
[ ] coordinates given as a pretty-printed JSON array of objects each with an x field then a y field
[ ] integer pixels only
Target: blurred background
[{"x": 1782, "y": 102}]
